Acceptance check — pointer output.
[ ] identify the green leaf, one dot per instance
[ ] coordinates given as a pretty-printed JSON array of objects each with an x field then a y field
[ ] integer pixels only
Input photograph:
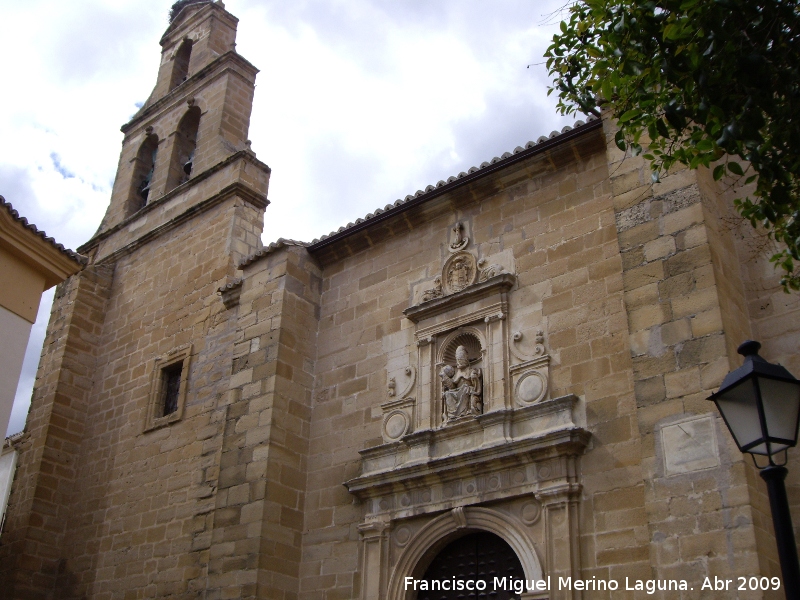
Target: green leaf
[
  {"x": 735, "y": 168},
  {"x": 619, "y": 139},
  {"x": 629, "y": 114},
  {"x": 705, "y": 145},
  {"x": 703, "y": 80}
]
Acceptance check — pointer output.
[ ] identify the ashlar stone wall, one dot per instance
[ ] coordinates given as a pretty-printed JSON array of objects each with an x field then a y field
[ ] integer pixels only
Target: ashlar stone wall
[
  {"x": 686, "y": 294},
  {"x": 128, "y": 511},
  {"x": 554, "y": 214}
]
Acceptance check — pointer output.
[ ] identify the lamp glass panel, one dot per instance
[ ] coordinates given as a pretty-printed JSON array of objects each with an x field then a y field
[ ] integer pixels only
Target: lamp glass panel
[
  {"x": 738, "y": 407},
  {"x": 781, "y": 401}
]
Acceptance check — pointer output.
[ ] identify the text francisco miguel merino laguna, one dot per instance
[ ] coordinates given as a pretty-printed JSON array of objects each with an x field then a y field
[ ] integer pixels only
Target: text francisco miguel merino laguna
[{"x": 519, "y": 586}]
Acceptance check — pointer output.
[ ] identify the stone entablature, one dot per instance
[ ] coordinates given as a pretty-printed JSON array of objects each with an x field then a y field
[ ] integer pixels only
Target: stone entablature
[
  {"x": 502, "y": 454},
  {"x": 439, "y": 305},
  {"x": 241, "y": 175}
]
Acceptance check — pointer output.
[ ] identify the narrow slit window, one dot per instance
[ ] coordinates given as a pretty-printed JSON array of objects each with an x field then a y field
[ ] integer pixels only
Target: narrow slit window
[
  {"x": 168, "y": 389},
  {"x": 171, "y": 384}
]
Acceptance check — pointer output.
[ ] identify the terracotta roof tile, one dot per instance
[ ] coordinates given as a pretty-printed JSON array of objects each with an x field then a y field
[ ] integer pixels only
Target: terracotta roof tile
[
  {"x": 461, "y": 175},
  {"x": 82, "y": 260},
  {"x": 281, "y": 243},
  {"x": 419, "y": 193}
]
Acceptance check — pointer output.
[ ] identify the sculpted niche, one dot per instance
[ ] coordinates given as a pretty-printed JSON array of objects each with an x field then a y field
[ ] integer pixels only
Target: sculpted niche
[{"x": 462, "y": 388}]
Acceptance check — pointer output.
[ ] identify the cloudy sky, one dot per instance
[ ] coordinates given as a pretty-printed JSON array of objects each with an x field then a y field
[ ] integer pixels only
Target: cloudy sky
[{"x": 358, "y": 103}]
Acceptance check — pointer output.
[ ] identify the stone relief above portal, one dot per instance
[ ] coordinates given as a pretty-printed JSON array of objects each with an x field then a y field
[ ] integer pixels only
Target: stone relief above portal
[
  {"x": 460, "y": 271},
  {"x": 459, "y": 240},
  {"x": 467, "y": 422},
  {"x": 398, "y": 411},
  {"x": 462, "y": 388}
]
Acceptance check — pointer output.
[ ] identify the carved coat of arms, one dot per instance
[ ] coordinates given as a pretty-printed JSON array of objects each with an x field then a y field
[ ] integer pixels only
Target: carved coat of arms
[{"x": 459, "y": 271}]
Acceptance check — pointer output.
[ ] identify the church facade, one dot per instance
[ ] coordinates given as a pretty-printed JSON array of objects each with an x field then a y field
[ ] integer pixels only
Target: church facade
[{"x": 507, "y": 370}]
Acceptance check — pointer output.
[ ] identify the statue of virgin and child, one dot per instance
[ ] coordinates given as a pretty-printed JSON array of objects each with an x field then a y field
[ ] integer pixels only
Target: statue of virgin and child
[{"x": 462, "y": 388}]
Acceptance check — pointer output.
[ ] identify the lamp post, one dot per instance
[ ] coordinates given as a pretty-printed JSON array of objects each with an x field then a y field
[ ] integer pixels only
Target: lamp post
[{"x": 760, "y": 403}]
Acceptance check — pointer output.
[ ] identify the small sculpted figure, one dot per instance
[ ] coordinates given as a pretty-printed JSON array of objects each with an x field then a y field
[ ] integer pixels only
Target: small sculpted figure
[
  {"x": 458, "y": 238},
  {"x": 462, "y": 388},
  {"x": 434, "y": 292}
]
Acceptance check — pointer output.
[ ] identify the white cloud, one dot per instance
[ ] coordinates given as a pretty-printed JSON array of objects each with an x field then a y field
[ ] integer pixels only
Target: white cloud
[{"x": 358, "y": 103}]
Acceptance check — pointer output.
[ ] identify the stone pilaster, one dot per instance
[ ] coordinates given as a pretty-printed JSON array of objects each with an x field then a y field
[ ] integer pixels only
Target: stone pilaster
[
  {"x": 373, "y": 562},
  {"x": 43, "y": 490},
  {"x": 679, "y": 278},
  {"x": 258, "y": 518}
]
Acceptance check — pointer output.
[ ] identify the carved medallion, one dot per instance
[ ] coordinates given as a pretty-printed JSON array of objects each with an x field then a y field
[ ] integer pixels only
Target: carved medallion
[
  {"x": 396, "y": 425},
  {"x": 402, "y": 535},
  {"x": 530, "y": 512},
  {"x": 531, "y": 387},
  {"x": 460, "y": 271}
]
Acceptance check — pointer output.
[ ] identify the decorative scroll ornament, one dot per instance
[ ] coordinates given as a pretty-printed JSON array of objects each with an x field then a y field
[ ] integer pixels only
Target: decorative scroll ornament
[
  {"x": 538, "y": 349},
  {"x": 531, "y": 375},
  {"x": 434, "y": 292},
  {"x": 490, "y": 272},
  {"x": 459, "y": 241},
  {"x": 411, "y": 373},
  {"x": 398, "y": 412},
  {"x": 462, "y": 388}
]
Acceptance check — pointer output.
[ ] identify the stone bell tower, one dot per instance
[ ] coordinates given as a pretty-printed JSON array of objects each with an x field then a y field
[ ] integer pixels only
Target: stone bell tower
[
  {"x": 192, "y": 131},
  {"x": 126, "y": 422}
]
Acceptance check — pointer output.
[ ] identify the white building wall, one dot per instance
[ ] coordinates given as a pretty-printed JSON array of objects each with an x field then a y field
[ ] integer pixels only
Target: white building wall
[{"x": 14, "y": 334}]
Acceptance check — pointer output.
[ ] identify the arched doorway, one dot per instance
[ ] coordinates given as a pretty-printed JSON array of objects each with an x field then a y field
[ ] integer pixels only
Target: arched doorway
[{"x": 476, "y": 556}]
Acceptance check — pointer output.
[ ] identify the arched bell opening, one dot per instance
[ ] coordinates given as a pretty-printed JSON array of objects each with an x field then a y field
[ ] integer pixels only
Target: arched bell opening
[
  {"x": 182, "y": 163},
  {"x": 180, "y": 66},
  {"x": 143, "y": 169}
]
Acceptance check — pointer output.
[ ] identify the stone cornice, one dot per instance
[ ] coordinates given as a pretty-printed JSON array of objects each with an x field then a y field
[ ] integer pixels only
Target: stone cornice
[
  {"x": 184, "y": 21},
  {"x": 421, "y": 467},
  {"x": 235, "y": 189},
  {"x": 256, "y": 199},
  {"x": 437, "y": 306},
  {"x": 221, "y": 65},
  {"x": 475, "y": 174}
]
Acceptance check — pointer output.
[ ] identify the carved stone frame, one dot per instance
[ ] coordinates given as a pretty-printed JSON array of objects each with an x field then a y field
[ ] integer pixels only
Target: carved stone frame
[
  {"x": 457, "y": 478},
  {"x": 154, "y": 419},
  {"x": 444, "y": 528}
]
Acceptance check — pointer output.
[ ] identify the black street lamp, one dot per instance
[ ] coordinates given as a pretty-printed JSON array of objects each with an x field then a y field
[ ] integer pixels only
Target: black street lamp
[{"x": 760, "y": 403}]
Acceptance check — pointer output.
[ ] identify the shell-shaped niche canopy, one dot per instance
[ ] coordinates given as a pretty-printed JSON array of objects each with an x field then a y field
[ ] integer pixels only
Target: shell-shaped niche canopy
[{"x": 471, "y": 344}]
